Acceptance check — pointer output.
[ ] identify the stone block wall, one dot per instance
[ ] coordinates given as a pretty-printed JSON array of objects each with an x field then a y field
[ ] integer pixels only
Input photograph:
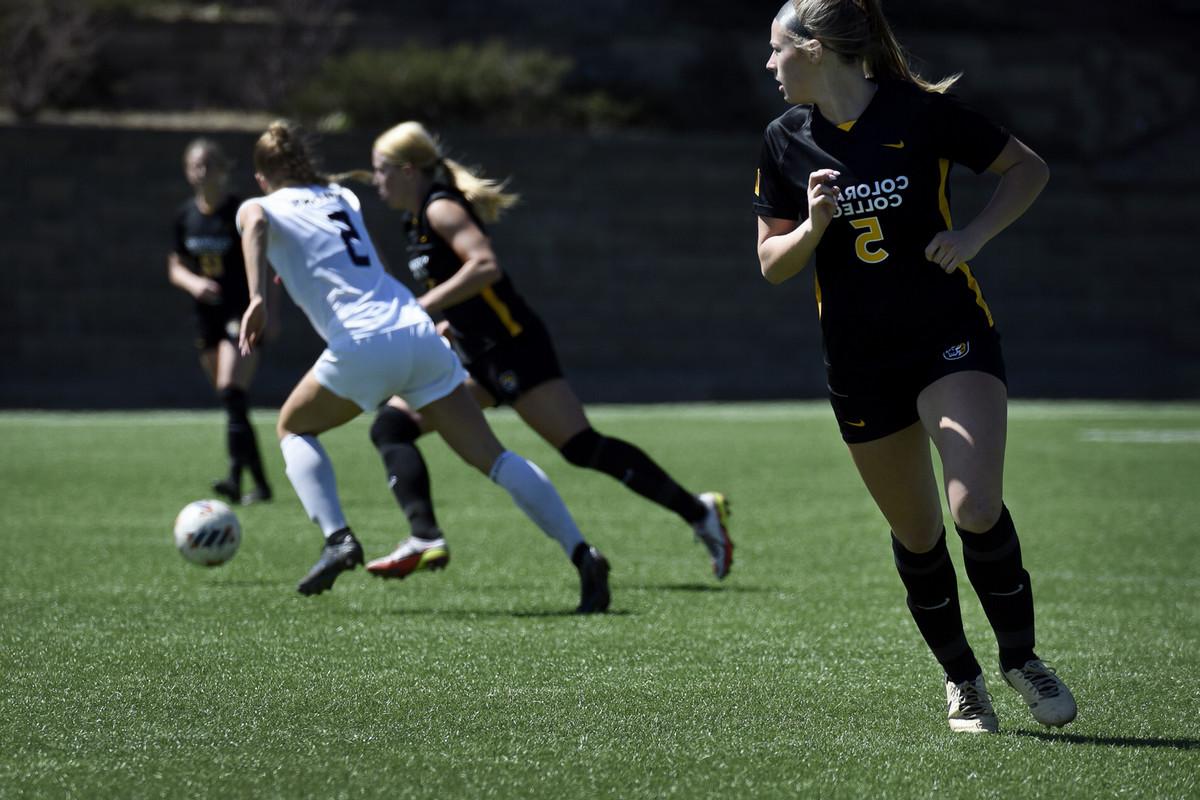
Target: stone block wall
[{"x": 638, "y": 249}]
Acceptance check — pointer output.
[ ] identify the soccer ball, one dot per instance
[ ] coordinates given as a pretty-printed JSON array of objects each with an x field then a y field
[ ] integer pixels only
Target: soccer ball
[{"x": 207, "y": 532}]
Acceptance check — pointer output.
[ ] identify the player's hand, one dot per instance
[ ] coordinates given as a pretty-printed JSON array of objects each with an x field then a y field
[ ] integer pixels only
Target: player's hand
[
  {"x": 948, "y": 249},
  {"x": 445, "y": 331},
  {"x": 254, "y": 321},
  {"x": 207, "y": 291},
  {"x": 823, "y": 195}
]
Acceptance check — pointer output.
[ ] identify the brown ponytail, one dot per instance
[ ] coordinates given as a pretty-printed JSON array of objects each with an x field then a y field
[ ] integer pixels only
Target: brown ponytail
[{"x": 283, "y": 154}]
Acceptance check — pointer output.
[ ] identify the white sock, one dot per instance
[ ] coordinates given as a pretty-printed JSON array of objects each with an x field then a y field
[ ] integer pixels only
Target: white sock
[
  {"x": 534, "y": 494},
  {"x": 311, "y": 473}
]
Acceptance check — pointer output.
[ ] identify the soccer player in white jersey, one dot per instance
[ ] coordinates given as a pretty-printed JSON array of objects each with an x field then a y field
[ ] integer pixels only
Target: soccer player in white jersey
[{"x": 379, "y": 343}]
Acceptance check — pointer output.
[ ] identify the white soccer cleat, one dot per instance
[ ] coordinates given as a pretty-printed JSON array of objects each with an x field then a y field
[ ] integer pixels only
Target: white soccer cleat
[
  {"x": 712, "y": 531},
  {"x": 969, "y": 707},
  {"x": 411, "y": 555},
  {"x": 1048, "y": 698}
]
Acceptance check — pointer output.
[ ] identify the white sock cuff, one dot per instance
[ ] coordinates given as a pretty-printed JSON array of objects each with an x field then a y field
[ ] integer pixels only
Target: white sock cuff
[{"x": 498, "y": 464}]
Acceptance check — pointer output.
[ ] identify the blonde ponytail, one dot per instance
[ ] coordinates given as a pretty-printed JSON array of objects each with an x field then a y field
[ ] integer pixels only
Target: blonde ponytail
[
  {"x": 411, "y": 143},
  {"x": 855, "y": 30}
]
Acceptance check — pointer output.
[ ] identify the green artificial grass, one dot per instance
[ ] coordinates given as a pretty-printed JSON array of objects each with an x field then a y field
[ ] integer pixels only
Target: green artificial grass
[{"x": 128, "y": 672}]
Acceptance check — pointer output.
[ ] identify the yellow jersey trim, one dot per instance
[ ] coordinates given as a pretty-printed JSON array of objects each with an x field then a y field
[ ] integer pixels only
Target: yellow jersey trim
[
  {"x": 501, "y": 310},
  {"x": 964, "y": 267}
]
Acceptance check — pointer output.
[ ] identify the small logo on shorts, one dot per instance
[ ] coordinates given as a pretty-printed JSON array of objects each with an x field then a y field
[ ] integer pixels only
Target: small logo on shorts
[
  {"x": 508, "y": 381},
  {"x": 232, "y": 328},
  {"x": 858, "y": 423},
  {"x": 958, "y": 351}
]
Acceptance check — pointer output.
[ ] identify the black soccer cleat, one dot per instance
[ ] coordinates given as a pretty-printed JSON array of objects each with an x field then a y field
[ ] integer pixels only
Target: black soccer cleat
[
  {"x": 594, "y": 596},
  {"x": 229, "y": 489},
  {"x": 340, "y": 553}
]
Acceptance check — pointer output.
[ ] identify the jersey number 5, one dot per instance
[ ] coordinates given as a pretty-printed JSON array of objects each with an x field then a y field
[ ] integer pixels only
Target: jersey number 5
[
  {"x": 350, "y": 236},
  {"x": 871, "y": 234}
]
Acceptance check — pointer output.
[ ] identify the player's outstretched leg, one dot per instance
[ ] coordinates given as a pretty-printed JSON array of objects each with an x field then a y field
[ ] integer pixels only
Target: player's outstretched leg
[
  {"x": 534, "y": 494},
  {"x": 707, "y": 513}
]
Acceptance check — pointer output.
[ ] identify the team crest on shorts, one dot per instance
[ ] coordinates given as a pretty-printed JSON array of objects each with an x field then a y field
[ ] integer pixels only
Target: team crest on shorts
[
  {"x": 508, "y": 381},
  {"x": 958, "y": 351},
  {"x": 232, "y": 328}
]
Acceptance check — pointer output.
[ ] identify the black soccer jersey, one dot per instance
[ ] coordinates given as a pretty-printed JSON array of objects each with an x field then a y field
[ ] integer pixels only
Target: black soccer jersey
[
  {"x": 877, "y": 295},
  {"x": 479, "y": 323},
  {"x": 210, "y": 246}
]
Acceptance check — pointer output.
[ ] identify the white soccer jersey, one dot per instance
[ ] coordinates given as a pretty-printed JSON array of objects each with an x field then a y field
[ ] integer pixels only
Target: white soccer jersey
[{"x": 318, "y": 245}]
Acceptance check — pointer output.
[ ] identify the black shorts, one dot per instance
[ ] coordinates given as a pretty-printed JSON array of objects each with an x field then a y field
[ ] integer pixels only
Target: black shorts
[
  {"x": 214, "y": 323},
  {"x": 514, "y": 366},
  {"x": 873, "y": 403}
]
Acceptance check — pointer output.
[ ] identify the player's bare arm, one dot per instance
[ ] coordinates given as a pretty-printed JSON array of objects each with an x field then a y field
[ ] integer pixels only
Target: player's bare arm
[
  {"x": 479, "y": 269},
  {"x": 202, "y": 289},
  {"x": 785, "y": 246},
  {"x": 253, "y": 222},
  {"x": 1023, "y": 175}
]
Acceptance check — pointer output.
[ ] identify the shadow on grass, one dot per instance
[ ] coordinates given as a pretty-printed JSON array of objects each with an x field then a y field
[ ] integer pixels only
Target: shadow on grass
[
  {"x": 465, "y": 613},
  {"x": 1112, "y": 741},
  {"x": 703, "y": 587}
]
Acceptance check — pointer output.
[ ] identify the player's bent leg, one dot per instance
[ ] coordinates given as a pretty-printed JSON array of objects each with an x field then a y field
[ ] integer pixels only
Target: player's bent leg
[
  {"x": 394, "y": 433},
  {"x": 966, "y": 417}
]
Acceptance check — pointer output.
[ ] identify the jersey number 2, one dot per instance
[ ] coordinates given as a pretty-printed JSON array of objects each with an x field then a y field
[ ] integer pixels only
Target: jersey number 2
[
  {"x": 871, "y": 234},
  {"x": 350, "y": 236}
]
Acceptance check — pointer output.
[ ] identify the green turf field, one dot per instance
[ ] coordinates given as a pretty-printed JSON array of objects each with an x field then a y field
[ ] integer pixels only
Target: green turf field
[{"x": 130, "y": 673}]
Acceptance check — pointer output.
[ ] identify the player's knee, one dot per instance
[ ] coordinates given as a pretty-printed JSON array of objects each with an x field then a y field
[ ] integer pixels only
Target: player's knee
[
  {"x": 393, "y": 426},
  {"x": 583, "y": 448},
  {"x": 976, "y": 512}
]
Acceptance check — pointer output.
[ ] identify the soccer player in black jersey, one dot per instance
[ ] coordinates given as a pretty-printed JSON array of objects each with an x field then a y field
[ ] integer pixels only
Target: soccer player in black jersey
[
  {"x": 855, "y": 174},
  {"x": 206, "y": 262},
  {"x": 504, "y": 346}
]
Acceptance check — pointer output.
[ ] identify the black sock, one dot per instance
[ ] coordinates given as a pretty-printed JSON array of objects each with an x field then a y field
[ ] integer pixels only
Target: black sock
[
  {"x": 240, "y": 439},
  {"x": 933, "y": 602},
  {"x": 993, "y": 562},
  {"x": 577, "y": 554},
  {"x": 635, "y": 469},
  {"x": 394, "y": 434}
]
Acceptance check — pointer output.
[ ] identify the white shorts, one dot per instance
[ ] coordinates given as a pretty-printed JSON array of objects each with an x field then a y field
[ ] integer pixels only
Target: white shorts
[{"x": 413, "y": 362}]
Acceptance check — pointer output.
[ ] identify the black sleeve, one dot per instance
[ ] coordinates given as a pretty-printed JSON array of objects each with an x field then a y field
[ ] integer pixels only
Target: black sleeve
[
  {"x": 965, "y": 136},
  {"x": 774, "y": 194}
]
